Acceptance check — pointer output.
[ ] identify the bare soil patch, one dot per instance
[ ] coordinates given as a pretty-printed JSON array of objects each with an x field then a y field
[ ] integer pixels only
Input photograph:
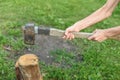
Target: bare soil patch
[{"x": 44, "y": 45}]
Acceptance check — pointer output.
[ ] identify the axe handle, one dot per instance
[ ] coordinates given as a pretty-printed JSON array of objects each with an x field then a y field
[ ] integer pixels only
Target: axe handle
[
  {"x": 57, "y": 32},
  {"x": 60, "y": 33}
]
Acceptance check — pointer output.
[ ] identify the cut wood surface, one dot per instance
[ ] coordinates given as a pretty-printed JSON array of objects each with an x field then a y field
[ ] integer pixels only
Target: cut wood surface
[{"x": 27, "y": 68}]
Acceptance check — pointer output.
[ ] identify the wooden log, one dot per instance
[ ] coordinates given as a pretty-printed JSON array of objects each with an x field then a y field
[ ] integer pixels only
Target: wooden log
[{"x": 27, "y": 68}]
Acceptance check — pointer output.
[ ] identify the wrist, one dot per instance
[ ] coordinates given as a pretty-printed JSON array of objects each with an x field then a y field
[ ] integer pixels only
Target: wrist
[
  {"x": 108, "y": 33},
  {"x": 80, "y": 25},
  {"x": 76, "y": 27}
]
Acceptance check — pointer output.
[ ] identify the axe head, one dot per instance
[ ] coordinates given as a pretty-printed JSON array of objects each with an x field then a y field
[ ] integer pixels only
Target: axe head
[{"x": 29, "y": 34}]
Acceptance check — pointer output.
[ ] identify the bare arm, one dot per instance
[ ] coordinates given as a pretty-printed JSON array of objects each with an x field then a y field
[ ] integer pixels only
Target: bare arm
[
  {"x": 112, "y": 31},
  {"x": 101, "y": 35},
  {"x": 102, "y": 13},
  {"x": 97, "y": 16}
]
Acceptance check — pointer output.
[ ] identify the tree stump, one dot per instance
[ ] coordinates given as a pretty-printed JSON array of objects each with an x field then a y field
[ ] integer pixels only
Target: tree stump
[{"x": 27, "y": 68}]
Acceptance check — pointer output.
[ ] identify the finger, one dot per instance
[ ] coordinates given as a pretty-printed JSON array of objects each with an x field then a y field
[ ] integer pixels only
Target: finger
[
  {"x": 101, "y": 39},
  {"x": 67, "y": 32},
  {"x": 97, "y": 38},
  {"x": 71, "y": 36},
  {"x": 91, "y": 37},
  {"x": 64, "y": 37},
  {"x": 68, "y": 36}
]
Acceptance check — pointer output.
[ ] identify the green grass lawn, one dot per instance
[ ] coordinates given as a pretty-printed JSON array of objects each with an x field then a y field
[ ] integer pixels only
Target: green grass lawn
[{"x": 101, "y": 61}]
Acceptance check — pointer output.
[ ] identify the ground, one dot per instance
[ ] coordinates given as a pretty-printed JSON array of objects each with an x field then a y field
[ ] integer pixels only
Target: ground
[
  {"x": 46, "y": 45},
  {"x": 83, "y": 59}
]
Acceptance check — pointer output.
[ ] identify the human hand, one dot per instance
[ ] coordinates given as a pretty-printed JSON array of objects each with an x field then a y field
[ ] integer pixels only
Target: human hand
[
  {"x": 69, "y": 32},
  {"x": 99, "y": 35}
]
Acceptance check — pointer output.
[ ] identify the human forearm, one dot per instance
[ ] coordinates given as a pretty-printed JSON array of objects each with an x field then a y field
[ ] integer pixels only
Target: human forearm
[
  {"x": 111, "y": 32},
  {"x": 103, "y": 34},
  {"x": 102, "y": 13},
  {"x": 92, "y": 19},
  {"x": 97, "y": 16}
]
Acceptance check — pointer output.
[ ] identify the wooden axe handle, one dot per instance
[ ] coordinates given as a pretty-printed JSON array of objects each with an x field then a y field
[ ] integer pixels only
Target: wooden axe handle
[
  {"x": 60, "y": 33},
  {"x": 57, "y": 32}
]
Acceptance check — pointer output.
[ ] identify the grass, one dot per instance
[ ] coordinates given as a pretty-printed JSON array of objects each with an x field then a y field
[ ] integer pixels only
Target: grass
[{"x": 101, "y": 61}]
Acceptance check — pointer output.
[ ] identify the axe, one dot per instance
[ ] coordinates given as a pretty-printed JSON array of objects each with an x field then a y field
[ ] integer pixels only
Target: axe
[{"x": 30, "y": 30}]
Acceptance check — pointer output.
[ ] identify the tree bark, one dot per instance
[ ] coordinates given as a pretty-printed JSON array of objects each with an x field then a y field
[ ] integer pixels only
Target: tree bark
[{"x": 27, "y": 68}]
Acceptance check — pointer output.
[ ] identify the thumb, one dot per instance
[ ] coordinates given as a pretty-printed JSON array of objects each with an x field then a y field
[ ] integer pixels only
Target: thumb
[
  {"x": 67, "y": 31},
  {"x": 91, "y": 37}
]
